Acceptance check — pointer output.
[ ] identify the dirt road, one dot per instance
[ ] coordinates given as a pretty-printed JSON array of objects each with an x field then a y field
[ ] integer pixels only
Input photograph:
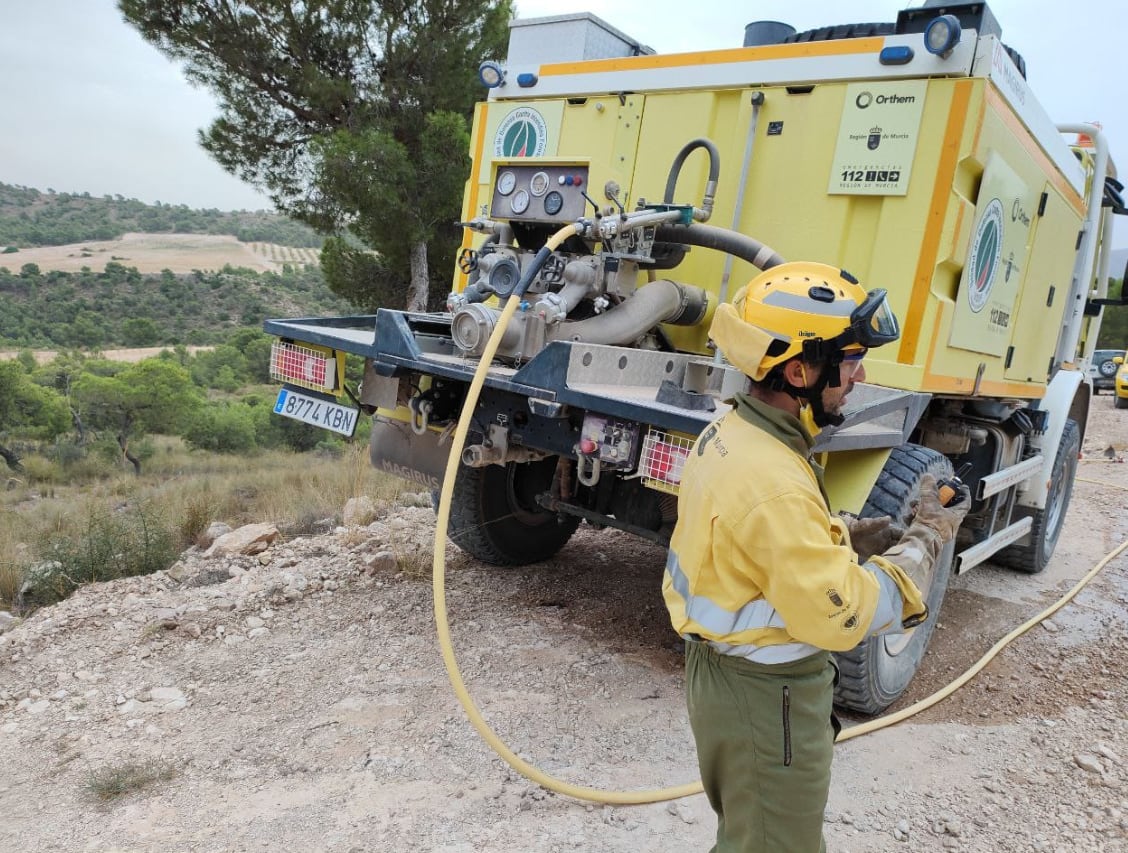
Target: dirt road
[{"x": 297, "y": 701}]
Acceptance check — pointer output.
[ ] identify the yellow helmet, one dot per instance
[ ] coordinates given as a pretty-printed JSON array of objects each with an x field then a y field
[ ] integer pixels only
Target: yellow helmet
[{"x": 801, "y": 308}]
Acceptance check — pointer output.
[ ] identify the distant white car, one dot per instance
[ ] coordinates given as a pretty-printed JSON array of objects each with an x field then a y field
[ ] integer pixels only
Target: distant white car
[{"x": 1102, "y": 369}]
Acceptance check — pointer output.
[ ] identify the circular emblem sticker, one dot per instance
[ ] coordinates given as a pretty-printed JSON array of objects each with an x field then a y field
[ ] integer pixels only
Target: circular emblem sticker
[
  {"x": 983, "y": 260},
  {"x": 523, "y": 133}
]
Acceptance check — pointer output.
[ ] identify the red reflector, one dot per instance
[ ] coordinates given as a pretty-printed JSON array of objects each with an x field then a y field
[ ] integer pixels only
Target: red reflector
[{"x": 665, "y": 462}]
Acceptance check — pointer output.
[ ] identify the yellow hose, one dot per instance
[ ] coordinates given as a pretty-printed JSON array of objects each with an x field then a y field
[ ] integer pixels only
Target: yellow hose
[
  {"x": 620, "y": 798},
  {"x": 439, "y": 582},
  {"x": 945, "y": 692}
]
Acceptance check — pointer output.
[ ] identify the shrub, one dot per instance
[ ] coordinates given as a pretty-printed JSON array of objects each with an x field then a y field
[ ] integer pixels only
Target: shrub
[
  {"x": 274, "y": 431},
  {"x": 66, "y": 453},
  {"x": 196, "y": 514},
  {"x": 39, "y": 470},
  {"x": 70, "y": 462},
  {"x": 109, "y": 783},
  {"x": 222, "y": 429},
  {"x": 123, "y": 543}
]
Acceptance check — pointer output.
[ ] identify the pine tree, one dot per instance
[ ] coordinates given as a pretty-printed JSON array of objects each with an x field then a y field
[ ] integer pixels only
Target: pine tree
[{"x": 350, "y": 114}]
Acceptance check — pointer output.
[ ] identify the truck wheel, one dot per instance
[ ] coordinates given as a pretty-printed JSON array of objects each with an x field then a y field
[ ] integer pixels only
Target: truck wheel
[
  {"x": 494, "y": 516},
  {"x": 1034, "y": 556},
  {"x": 877, "y": 671}
]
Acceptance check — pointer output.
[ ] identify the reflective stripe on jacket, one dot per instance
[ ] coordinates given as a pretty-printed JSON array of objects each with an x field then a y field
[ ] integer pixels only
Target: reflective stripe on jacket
[{"x": 757, "y": 561}]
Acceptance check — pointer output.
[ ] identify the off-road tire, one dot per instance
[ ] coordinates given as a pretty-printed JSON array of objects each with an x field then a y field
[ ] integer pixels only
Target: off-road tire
[
  {"x": 876, "y": 672},
  {"x": 1033, "y": 556},
  {"x": 494, "y": 516},
  {"x": 842, "y": 31},
  {"x": 856, "y": 31}
]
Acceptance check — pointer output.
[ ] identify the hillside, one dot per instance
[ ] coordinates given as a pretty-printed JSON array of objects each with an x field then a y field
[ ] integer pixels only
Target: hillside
[
  {"x": 122, "y": 307},
  {"x": 29, "y": 217},
  {"x": 79, "y": 271}
]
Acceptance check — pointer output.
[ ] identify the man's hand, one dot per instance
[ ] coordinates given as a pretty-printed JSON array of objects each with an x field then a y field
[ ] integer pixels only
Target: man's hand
[
  {"x": 869, "y": 536},
  {"x": 945, "y": 520}
]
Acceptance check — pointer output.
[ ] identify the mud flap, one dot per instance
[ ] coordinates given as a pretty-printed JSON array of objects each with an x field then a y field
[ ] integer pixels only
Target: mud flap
[{"x": 395, "y": 449}]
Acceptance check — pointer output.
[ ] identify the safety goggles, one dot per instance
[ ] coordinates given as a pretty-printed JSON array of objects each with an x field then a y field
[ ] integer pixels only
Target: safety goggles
[{"x": 872, "y": 324}]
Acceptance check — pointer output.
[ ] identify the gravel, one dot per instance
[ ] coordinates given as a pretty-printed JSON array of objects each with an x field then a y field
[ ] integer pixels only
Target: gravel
[{"x": 299, "y": 699}]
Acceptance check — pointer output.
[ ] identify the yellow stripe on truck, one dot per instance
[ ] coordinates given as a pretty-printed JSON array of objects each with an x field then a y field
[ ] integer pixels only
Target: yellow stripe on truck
[
  {"x": 937, "y": 213},
  {"x": 716, "y": 57},
  {"x": 472, "y": 196}
]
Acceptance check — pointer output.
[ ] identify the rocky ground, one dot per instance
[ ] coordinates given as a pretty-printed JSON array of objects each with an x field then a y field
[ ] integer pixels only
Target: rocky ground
[{"x": 296, "y": 700}]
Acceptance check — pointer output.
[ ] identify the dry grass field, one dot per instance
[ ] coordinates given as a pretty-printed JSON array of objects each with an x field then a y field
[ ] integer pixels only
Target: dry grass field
[
  {"x": 151, "y": 253},
  {"x": 131, "y": 356}
]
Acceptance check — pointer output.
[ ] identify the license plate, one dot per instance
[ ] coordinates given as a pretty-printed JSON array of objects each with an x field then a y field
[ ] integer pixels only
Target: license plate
[{"x": 319, "y": 413}]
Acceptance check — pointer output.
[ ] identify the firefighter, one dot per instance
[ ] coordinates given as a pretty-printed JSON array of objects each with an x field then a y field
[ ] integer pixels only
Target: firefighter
[{"x": 762, "y": 580}]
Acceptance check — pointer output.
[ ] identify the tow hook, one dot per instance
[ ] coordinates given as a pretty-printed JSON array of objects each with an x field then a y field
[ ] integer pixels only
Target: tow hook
[
  {"x": 420, "y": 414},
  {"x": 587, "y": 468}
]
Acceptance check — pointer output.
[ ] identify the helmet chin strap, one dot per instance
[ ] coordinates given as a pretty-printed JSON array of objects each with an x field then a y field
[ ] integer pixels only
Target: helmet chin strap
[{"x": 828, "y": 378}]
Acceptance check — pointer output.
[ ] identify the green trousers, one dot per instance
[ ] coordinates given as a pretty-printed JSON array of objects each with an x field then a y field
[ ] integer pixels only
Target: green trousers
[{"x": 764, "y": 744}]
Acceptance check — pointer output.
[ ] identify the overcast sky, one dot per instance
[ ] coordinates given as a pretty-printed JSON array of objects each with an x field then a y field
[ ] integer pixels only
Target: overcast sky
[{"x": 87, "y": 106}]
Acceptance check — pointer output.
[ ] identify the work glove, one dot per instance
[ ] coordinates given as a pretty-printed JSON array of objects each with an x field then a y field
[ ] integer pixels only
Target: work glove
[
  {"x": 945, "y": 520},
  {"x": 933, "y": 525},
  {"x": 869, "y": 536}
]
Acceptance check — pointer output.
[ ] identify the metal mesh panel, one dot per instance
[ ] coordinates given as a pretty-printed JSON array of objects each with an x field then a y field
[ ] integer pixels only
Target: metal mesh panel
[
  {"x": 663, "y": 458},
  {"x": 303, "y": 366}
]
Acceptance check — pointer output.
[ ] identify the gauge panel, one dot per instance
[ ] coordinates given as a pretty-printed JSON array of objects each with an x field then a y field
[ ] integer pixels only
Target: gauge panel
[{"x": 540, "y": 193}]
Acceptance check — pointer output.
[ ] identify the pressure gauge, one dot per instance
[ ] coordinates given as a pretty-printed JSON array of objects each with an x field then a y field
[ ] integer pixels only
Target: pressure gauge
[
  {"x": 506, "y": 181},
  {"x": 520, "y": 202},
  {"x": 538, "y": 184},
  {"x": 553, "y": 202}
]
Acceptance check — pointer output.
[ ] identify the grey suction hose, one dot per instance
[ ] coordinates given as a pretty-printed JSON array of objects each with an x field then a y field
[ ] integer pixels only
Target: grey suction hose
[
  {"x": 726, "y": 240},
  {"x": 661, "y": 301}
]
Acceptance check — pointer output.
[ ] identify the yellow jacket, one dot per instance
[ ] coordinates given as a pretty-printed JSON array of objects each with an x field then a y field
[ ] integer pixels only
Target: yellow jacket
[{"x": 758, "y": 564}]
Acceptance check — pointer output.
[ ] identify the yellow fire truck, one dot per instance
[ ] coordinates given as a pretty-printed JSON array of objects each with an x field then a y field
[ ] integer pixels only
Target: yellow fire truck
[{"x": 911, "y": 153}]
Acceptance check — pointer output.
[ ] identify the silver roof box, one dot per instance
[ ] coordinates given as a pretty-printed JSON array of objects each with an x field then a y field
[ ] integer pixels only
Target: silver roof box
[{"x": 568, "y": 38}]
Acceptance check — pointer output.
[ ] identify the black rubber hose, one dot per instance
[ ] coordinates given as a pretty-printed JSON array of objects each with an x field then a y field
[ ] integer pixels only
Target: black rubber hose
[
  {"x": 723, "y": 240},
  {"x": 532, "y": 272},
  {"x": 687, "y": 149}
]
